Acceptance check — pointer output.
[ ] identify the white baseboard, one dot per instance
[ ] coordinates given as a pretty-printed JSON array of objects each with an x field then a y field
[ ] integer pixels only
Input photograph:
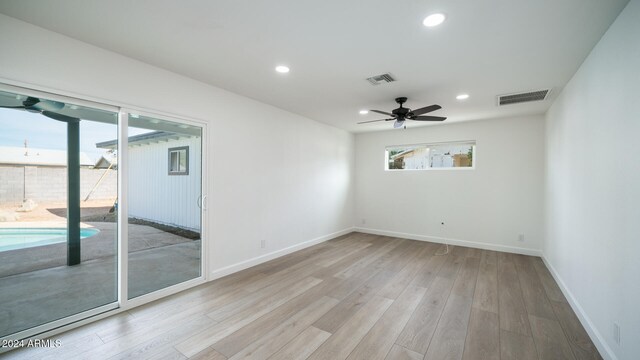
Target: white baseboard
[
  {"x": 441, "y": 240},
  {"x": 227, "y": 270},
  {"x": 594, "y": 334}
]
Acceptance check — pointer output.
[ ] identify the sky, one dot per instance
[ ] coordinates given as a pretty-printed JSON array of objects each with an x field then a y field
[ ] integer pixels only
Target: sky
[{"x": 41, "y": 132}]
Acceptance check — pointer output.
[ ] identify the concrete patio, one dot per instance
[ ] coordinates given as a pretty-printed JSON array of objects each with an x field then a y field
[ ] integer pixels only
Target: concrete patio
[{"x": 38, "y": 287}]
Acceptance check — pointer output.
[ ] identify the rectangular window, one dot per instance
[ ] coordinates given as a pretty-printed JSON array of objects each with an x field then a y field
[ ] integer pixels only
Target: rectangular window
[
  {"x": 179, "y": 161},
  {"x": 431, "y": 156}
]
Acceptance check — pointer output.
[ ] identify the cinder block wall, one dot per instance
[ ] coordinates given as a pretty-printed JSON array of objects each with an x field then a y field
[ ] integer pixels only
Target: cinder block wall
[{"x": 42, "y": 183}]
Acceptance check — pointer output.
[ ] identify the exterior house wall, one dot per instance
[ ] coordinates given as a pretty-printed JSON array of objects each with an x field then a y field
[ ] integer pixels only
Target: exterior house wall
[
  {"x": 155, "y": 195},
  {"x": 417, "y": 160}
]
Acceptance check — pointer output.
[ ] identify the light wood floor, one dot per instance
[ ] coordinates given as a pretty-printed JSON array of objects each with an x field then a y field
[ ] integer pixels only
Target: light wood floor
[{"x": 356, "y": 297}]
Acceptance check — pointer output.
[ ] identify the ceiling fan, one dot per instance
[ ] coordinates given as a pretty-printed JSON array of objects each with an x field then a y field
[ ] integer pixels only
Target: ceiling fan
[
  {"x": 402, "y": 113},
  {"x": 47, "y": 108}
]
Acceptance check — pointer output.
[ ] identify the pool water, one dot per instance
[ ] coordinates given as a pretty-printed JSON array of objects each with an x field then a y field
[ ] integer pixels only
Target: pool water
[{"x": 20, "y": 238}]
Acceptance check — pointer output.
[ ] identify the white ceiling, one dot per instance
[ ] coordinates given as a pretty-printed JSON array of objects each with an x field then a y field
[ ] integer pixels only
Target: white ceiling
[{"x": 484, "y": 48}]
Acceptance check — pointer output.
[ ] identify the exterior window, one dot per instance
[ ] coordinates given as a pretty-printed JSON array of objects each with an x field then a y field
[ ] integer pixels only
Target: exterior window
[
  {"x": 179, "y": 161},
  {"x": 431, "y": 156}
]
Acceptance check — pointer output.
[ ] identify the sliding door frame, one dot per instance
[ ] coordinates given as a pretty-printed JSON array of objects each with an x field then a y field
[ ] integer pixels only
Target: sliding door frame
[
  {"x": 123, "y": 174},
  {"x": 122, "y": 303}
]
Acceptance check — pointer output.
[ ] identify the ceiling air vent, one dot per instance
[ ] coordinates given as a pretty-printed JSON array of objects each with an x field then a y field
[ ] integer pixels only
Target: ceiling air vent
[
  {"x": 381, "y": 79},
  {"x": 523, "y": 97}
]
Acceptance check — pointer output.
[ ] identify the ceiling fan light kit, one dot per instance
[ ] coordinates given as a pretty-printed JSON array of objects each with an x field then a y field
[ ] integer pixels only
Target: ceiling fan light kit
[{"x": 401, "y": 114}]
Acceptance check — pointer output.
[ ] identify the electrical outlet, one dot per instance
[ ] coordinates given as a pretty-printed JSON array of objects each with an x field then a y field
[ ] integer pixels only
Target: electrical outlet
[
  {"x": 263, "y": 243},
  {"x": 364, "y": 221},
  {"x": 521, "y": 237},
  {"x": 616, "y": 333}
]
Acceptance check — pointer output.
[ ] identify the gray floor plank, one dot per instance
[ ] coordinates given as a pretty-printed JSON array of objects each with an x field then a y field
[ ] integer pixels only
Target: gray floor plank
[
  {"x": 221, "y": 330},
  {"x": 340, "y": 344},
  {"x": 517, "y": 347},
  {"x": 465, "y": 283},
  {"x": 285, "y": 331},
  {"x": 303, "y": 345},
  {"x": 379, "y": 340},
  {"x": 400, "y": 353},
  {"x": 533, "y": 293},
  {"x": 483, "y": 336},
  {"x": 417, "y": 334},
  {"x": 550, "y": 340},
  {"x": 449, "y": 337},
  {"x": 581, "y": 344},
  {"x": 208, "y": 354},
  {"x": 550, "y": 286},
  {"x": 342, "y": 312},
  {"x": 486, "y": 293},
  {"x": 359, "y": 297},
  {"x": 513, "y": 314}
]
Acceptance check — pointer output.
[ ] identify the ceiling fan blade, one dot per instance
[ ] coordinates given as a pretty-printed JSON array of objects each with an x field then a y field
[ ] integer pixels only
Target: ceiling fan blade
[
  {"x": 426, "y": 109},
  {"x": 364, "y": 122},
  {"x": 383, "y": 113},
  {"x": 428, "y": 118},
  {"x": 398, "y": 124},
  {"x": 49, "y": 105},
  {"x": 36, "y": 105},
  {"x": 59, "y": 117}
]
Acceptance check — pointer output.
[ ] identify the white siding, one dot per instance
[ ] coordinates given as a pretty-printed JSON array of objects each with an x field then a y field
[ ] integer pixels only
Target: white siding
[
  {"x": 157, "y": 196},
  {"x": 418, "y": 160}
]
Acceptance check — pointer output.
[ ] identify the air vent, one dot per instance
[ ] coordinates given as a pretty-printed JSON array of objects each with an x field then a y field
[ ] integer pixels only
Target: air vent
[
  {"x": 381, "y": 79},
  {"x": 523, "y": 97}
]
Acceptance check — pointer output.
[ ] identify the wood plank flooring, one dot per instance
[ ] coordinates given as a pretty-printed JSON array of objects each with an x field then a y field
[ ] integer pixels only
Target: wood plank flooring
[{"x": 359, "y": 296}]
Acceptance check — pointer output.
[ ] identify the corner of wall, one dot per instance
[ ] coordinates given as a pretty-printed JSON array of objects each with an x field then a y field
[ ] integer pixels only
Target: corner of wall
[{"x": 589, "y": 326}]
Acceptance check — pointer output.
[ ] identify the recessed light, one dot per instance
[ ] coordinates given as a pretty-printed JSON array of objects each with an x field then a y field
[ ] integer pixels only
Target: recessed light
[
  {"x": 282, "y": 69},
  {"x": 462, "y": 97},
  {"x": 364, "y": 112},
  {"x": 433, "y": 20}
]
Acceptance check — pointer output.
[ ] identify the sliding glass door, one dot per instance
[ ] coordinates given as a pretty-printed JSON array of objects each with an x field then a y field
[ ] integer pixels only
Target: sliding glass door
[
  {"x": 164, "y": 195},
  {"x": 58, "y": 244},
  {"x": 99, "y": 209}
]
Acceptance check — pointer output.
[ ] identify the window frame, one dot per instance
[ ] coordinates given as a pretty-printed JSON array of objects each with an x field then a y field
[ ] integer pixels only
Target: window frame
[
  {"x": 428, "y": 146},
  {"x": 177, "y": 150}
]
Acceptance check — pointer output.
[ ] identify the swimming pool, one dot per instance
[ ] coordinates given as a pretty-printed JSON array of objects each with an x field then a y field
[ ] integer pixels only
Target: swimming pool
[{"x": 20, "y": 238}]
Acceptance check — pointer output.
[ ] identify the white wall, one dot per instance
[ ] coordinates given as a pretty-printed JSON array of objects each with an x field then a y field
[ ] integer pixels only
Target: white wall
[
  {"x": 486, "y": 207},
  {"x": 592, "y": 237},
  {"x": 293, "y": 185},
  {"x": 157, "y": 196}
]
